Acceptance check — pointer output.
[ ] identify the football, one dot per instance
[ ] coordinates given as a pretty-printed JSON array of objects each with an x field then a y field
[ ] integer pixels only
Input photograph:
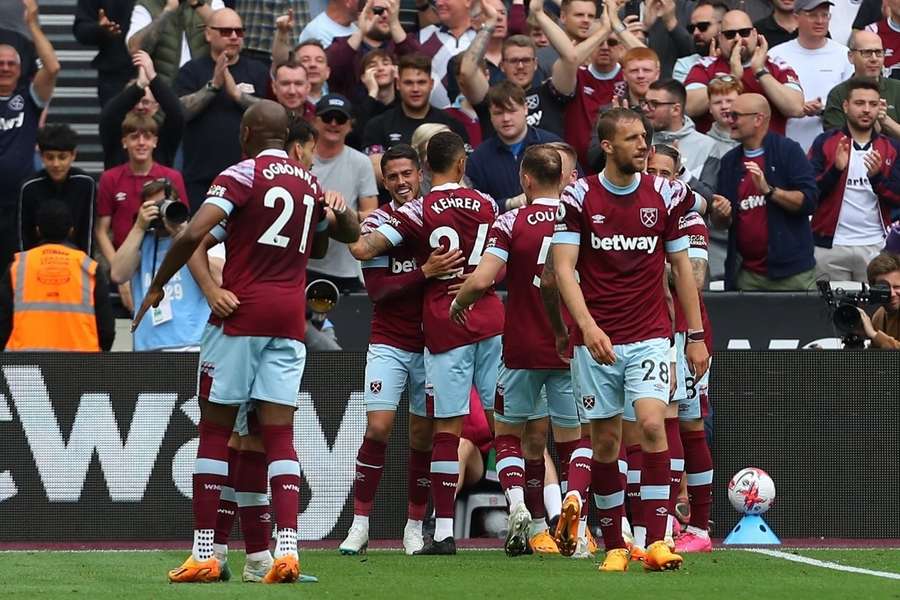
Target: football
[{"x": 751, "y": 491}]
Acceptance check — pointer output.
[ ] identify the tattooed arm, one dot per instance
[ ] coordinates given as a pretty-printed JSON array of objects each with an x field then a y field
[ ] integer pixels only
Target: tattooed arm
[
  {"x": 147, "y": 38},
  {"x": 472, "y": 80}
]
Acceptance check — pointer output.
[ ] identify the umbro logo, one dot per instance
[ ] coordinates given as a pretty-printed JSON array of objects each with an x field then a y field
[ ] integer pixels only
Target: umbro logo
[
  {"x": 662, "y": 511},
  {"x": 598, "y": 219},
  {"x": 265, "y": 518},
  {"x": 423, "y": 482},
  {"x": 606, "y": 521},
  {"x": 535, "y": 483}
]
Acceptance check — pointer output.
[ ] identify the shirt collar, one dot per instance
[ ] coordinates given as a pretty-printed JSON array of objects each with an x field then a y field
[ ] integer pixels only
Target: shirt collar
[
  {"x": 273, "y": 152},
  {"x": 546, "y": 201},
  {"x": 446, "y": 187},
  {"x": 604, "y": 76}
]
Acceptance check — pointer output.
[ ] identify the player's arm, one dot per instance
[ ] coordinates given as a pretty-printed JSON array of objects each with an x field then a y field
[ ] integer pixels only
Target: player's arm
[
  {"x": 370, "y": 245},
  {"x": 476, "y": 284},
  {"x": 221, "y": 302},
  {"x": 183, "y": 247},
  {"x": 550, "y": 298},
  {"x": 343, "y": 222},
  {"x": 367, "y": 204},
  {"x": 698, "y": 270},
  {"x": 688, "y": 296},
  {"x": 565, "y": 256}
]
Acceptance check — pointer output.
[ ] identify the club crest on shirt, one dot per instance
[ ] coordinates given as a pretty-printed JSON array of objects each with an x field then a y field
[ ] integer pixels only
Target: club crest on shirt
[
  {"x": 649, "y": 216},
  {"x": 532, "y": 101},
  {"x": 375, "y": 386},
  {"x": 17, "y": 102},
  {"x": 588, "y": 402}
]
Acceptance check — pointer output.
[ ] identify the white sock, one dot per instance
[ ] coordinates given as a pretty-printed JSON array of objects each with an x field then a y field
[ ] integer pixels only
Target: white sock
[
  {"x": 552, "y": 500},
  {"x": 414, "y": 525},
  {"x": 535, "y": 527},
  {"x": 516, "y": 496},
  {"x": 577, "y": 494},
  {"x": 443, "y": 528},
  {"x": 582, "y": 526},
  {"x": 697, "y": 531},
  {"x": 287, "y": 543},
  {"x": 203, "y": 544},
  {"x": 261, "y": 556},
  {"x": 626, "y": 527},
  {"x": 670, "y": 523},
  {"x": 361, "y": 521},
  {"x": 220, "y": 550},
  {"x": 640, "y": 536}
]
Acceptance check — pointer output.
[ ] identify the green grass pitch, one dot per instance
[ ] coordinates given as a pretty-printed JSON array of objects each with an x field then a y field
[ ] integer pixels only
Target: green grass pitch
[{"x": 729, "y": 574}]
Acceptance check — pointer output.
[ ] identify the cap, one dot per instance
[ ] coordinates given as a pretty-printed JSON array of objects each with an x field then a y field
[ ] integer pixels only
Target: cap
[
  {"x": 334, "y": 103},
  {"x": 801, "y": 5},
  {"x": 892, "y": 242}
]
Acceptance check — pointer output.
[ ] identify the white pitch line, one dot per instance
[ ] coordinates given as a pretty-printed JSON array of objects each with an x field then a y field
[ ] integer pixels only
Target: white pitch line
[{"x": 822, "y": 563}]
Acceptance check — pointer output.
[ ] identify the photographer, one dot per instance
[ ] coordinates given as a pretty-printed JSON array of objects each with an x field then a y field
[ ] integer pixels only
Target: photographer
[
  {"x": 177, "y": 323},
  {"x": 884, "y": 326}
]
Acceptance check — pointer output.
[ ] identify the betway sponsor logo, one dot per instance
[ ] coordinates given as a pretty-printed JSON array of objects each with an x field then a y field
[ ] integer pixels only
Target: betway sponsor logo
[
  {"x": 751, "y": 202},
  {"x": 15, "y": 123},
  {"x": 625, "y": 243}
]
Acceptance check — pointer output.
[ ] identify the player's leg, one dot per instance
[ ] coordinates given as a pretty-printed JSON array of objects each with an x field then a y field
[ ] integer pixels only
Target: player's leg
[
  {"x": 421, "y": 433},
  {"x": 698, "y": 467},
  {"x": 228, "y": 509},
  {"x": 634, "y": 458},
  {"x": 252, "y": 492},
  {"x": 485, "y": 372},
  {"x": 566, "y": 422},
  {"x": 678, "y": 380},
  {"x": 647, "y": 373}
]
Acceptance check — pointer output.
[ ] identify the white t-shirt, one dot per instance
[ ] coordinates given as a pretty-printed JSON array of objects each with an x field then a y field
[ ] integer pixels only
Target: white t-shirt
[
  {"x": 140, "y": 18},
  {"x": 325, "y": 29},
  {"x": 843, "y": 13},
  {"x": 819, "y": 70},
  {"x": 859, "y": 223}
]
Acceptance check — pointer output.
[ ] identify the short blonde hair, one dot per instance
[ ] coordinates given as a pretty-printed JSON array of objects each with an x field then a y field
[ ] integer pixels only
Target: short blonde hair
[{"x": 423, "y": 133}]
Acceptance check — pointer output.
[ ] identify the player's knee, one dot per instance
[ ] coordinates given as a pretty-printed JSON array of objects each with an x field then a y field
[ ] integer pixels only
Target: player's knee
[
  {"x": 606, "y": 446},
  {"x": 378, "y": 431},
  {"x": 652, "y": 428}
]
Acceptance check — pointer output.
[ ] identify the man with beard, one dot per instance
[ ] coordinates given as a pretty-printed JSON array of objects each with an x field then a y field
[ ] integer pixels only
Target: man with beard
[
  {"x": 704, "y": 27},
  {"x": 859, "y": 182},
  {"x": 742, "y": 54}
]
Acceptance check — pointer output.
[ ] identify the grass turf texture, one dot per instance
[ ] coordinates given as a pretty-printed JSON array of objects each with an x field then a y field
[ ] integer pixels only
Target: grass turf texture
[{"x": 732, "y": 574}]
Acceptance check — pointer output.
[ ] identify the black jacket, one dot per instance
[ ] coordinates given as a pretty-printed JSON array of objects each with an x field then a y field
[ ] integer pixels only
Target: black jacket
[
  {"x": 169, "y": 129},
  {"x": 112, "y": 55},
  {"x": 77, "y": 192}
]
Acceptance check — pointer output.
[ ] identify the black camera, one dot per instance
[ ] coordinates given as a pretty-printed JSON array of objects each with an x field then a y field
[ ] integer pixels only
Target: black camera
[
  {"x": 844, "y": 308},
  {"x": 170, "y": 210}
]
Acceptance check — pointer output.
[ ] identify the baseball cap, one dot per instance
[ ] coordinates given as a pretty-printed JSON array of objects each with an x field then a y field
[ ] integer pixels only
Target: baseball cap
[
  {"x": 334, "y": 103},
  {"x": 892, "y": 243},
  {"x": 801, "y": 5}
]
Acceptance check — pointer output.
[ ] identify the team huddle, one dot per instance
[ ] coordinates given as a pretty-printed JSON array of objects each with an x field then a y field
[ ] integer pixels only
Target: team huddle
[{"x": 604, "y": 334}]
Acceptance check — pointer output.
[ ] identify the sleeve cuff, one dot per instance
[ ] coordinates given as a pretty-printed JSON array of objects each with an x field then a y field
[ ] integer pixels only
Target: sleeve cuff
[
  {"x": 567, "y": 237},
  {"x": 222, "y": 203},
  {"x": 700, "y": 253},
  {"x": 695, "y": 86},
  {"x": 391, "y": 234},
  {"x": 678, "y": 245},
  {"x": 219, "y": 233},
  {"x": 499, "y": 253},
  {"x": 379, "y": 262}
]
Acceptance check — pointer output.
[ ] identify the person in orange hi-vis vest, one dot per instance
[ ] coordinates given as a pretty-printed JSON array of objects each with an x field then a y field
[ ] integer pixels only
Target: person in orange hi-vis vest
[{"x": 52, "y": 297}]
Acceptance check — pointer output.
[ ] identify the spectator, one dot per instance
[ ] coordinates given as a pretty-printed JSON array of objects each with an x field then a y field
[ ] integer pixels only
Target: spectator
[
  {"x": 640, "y": 68},
  {"x": 98, "y": 24},
  {"x": 20, "y": 111},
  {"x": 14, "y": 32},
  {"x": 147, "y": 95},
  {"x": 868, "y": 12},
  {"x": 742, "y": 54},
  {"x": 664, "y": 106},
  {"x": 867, "y": 55},
  {"x": 494, "y": 166},
  {"x": 337, "y": 20},
  {"x": 666, "y": 33},
  {"x": 347, "y": 171},
  {"x": 290, "y": 84},
  {"x": 538, "y": 37},
  {"x": 706, "y": 20},
  {"x": 462, "y": 110},
  {"x": 443, "y": 41},
  {"x": 379, "y": 76},
  {"x": 859, "y": 182},
  {"x": 768, "y": 192},
  {"x": 888, "y": 29},
  {"x": 780, "y": 26},
  {"x": 755, "y": 9},
  {"x": 884, "y": 326},
  {"x": 178, "y": 322},
  {"x": 819, "y": 62},
  {"x": 262, "y": 23},
  {"x": 381, "y": 31},
  {"x": 506, "y": 24},
  {"x": 312, "y": 56},
  {"x": 215, "y": 90},
  {"x": 576, "y": 17},
  {"x": 59, "y": 181},
  {"x": 119, "y": 194},
  {"x": 171, "y": 32},
  {"x": 55, "y": 313},
  {"x": 396, "y": 125}
]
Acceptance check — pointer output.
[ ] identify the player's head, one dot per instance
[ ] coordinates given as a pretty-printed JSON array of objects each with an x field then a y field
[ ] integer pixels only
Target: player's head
[
  {"x": 885, "y": 269},
  {"x": 139, "y": 137},
  {"x": 264, "y": 126},
  {"x": 10, "y": 68},
  {"x": 540, "y": 172},
  {"x": 54, "y": 221},
  {"x": 749, "y": 116},
  {"x": 518, "y": 60},
  {"x": 447, "y": 155},
  {"x": 867, "y": 54},
  {"x": 291, "y": 84},
  {"x": 640, "y": 68},
  {"x": 623, "y": 139},
  {"x": 414, "y": 82},
  {"x": 664, "y": 161},
  {"x": 57, "y": 143},
  {"x": 569, "y": 167},
  {"x": 509, "y": 114},
  {"x": 402, "y": 173},
  {"x": 664, "y": 104},
  {"x": 862, "y": 104},
  {"x": 723, "y": 91},
  {"x": 737, "y": 28},
  {"x": 301, "y": 141}
]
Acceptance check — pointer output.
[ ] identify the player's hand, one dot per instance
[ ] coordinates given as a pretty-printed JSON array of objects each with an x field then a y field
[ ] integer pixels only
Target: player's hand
[
  {"x": 125, "y": 296},
  {"x": 721, "y": 207},
  {"x": 813, "y": 107},
  {"x": 147, "y": 213},
  {"x": 109, "y": 27},
  {"x": 760, "y": 55},
  {"x": 335, "y": 201},
  {"x": 842, "y": 153},
  {"x": 153, "y": 297},
  {"x": 873, "y": 163},
  {"x": 218, "y": 78},
  {"x": 454, "y": 288},
  {"x": 143, "y": 62},
  {"x": 734, "y": 61},
  {"x": 562, "y": 347},
  {"x": 441, "y": 263},
  {"x": 598, "y": 344},
  {"x": 222, "y": 302},
  {"x": 458, "y": 314},
  {"x": 285, "y": 23},
  {"x": 698, "y": 358},
  {"x": 758, "y": 177}
]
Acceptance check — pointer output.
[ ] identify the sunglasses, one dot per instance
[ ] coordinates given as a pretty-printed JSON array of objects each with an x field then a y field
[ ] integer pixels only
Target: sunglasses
[
  {"x": 701, "y": 25},
  {"x": 229, "y": 31},
  {"x": 612, "y": 42},
  {"x": 334, "y": 117},
  {"x": 724, "y": 79},
  {"x": 734, "y": 115},
  {"x": 744, "y": 32}
]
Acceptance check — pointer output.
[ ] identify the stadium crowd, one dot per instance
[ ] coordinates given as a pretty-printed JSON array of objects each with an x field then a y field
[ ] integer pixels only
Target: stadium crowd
[{"x": 776, "y": 120}]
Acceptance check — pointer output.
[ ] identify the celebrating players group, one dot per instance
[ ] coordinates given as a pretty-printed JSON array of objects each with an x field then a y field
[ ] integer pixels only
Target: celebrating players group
[{"x": 604, "y": 333}]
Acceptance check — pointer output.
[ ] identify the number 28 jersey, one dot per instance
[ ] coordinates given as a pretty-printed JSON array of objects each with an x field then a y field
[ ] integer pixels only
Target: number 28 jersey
[
  {"x": 449, "y": 217},
  {"x": 274, "y": 208}
]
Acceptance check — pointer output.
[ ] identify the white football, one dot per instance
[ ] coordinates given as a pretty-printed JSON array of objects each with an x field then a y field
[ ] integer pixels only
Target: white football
[{"x": 751, "y": 491}]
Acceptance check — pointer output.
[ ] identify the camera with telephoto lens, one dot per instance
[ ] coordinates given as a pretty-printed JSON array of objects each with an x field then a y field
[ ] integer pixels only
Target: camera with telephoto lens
[
  {"x": 844, "y": 307},
  {"x": 170, "y": 210}
]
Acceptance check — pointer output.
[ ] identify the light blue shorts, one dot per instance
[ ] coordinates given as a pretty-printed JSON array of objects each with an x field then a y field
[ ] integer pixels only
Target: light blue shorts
[
  {"x": 576, "y": 393},
  {"x": 641, "y": 370},
  {"x": 241, "y": 421},
  {"x": 452, "y": 374},
  {"x": 388, "y": 370},
  {"x": 529, "y": 394},
  {"x": 696, "y": 405},
  {"x": 237, "y": 369}
]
